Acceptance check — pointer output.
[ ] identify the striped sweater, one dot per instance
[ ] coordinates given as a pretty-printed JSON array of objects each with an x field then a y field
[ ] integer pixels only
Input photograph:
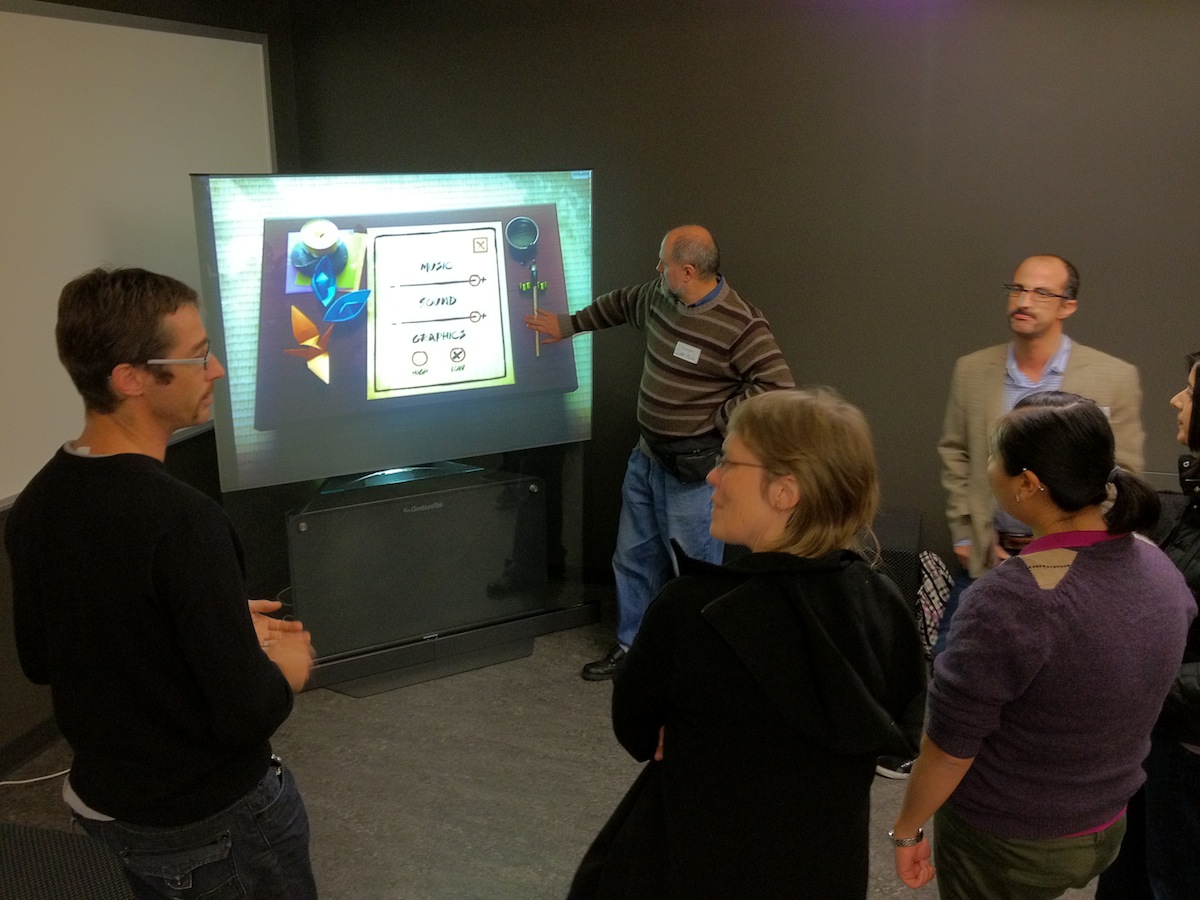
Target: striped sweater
[{"x": 701, "y": 361}]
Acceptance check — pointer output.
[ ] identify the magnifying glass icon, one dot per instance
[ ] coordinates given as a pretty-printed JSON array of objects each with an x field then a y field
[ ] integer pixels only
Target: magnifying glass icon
[{"x": 521, "y": 234}]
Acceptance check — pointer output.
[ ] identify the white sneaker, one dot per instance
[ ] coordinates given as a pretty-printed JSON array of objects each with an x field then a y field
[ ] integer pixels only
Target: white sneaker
[{"x": 893, "y": 766}]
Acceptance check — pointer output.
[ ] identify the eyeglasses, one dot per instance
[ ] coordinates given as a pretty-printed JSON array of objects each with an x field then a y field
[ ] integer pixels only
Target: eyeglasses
[
  {"x": 1037, "y": 295},
  {"x": 724, "y": 462},
  {"x": 190, "y": 361}
]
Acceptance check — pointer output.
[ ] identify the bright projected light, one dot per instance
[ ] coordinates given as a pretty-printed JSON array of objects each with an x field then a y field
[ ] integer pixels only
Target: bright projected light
[{"x": 372, "y": 322}]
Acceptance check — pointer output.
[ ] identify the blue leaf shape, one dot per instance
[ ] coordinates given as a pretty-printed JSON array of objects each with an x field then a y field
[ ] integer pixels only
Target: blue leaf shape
[
  {"x": 324, "y": 281},
  {"x": 347, "y": 306}
]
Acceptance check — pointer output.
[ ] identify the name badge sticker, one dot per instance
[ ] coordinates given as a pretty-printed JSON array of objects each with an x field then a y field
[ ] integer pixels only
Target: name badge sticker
[{"x": 688, "y": 352}]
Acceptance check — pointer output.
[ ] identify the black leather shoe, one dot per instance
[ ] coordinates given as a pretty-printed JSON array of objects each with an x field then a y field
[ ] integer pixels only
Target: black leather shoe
[{"x": 603, "y": 669}]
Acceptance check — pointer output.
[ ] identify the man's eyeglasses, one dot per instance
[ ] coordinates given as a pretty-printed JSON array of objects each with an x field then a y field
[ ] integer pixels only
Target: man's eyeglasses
[
  {"x": 724, "y": 462},
  {"x": 1037, "y": 295},
  {"x": 190, "y": 361}
]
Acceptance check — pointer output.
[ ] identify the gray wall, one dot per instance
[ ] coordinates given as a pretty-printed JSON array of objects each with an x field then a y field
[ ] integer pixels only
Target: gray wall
[
  {"x": 267, "y": 17},
  {"x": 873, "y": 171}
]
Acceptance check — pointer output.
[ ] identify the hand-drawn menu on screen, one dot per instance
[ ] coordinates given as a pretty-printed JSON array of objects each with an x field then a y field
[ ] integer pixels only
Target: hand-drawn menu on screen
[{"x": 438, "y": 314}]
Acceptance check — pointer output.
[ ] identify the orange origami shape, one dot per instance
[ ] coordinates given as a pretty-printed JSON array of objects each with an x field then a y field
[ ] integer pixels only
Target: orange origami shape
[{"x": 312, "y": 343}]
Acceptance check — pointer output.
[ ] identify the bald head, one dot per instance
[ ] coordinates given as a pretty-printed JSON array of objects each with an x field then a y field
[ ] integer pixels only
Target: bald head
[
  {"x": 688, "y": 263},
  {"x": 693, "y": 245},
  {"x": 1070, "y": 275}
]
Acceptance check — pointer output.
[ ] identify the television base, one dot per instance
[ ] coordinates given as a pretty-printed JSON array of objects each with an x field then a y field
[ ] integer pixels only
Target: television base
[
  {"x": 399, "y": 667},
  {"x": 437, "y": 668},
  {"x": 429, "y": 577},
  {"x": 402, "y": 475}
]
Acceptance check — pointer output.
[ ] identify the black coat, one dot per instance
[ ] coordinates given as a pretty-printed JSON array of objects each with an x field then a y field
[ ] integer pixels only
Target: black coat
[
  {"x": 778, "y": 681},
  {"x": 1180, "y": 717}
]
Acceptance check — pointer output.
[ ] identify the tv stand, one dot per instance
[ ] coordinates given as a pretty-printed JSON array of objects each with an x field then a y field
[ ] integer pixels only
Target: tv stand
[
  {"x": 401, "y": 475},
  {"x": 410, "y": 580}
]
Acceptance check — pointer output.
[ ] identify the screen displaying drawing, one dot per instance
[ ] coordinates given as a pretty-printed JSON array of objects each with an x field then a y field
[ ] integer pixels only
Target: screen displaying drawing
[
  {"x": 438, "y": 320},
  {"x": 377, "y": 321}
]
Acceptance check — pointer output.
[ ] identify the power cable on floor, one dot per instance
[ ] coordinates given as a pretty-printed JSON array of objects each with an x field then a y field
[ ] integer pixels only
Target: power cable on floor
[{"x": 32, "y": 780}]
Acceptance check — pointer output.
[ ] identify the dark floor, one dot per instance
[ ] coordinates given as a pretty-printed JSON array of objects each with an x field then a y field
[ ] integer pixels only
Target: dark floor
[{"x": 488, "y": 785}]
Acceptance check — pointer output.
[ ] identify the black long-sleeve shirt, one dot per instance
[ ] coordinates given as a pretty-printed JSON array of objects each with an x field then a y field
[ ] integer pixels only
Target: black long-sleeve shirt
[{"x": 129, "y": 602}]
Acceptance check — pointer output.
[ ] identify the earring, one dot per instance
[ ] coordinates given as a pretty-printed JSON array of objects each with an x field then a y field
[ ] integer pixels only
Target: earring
[
  {"x": 1018, "y": 496},
  {"x": 1041, "y": 487}
]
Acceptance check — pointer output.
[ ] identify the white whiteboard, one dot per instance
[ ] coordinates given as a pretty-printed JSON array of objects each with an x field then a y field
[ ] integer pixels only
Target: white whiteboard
[{"x": 104, "y": 120}]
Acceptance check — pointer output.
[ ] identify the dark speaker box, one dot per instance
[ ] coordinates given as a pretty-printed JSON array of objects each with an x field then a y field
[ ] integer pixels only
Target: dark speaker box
[
  {"x": 899, "y": 535},
  {"x": 396, "y": 565}
]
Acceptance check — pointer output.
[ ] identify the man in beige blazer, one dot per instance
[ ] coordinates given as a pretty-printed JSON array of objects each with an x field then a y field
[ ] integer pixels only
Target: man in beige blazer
[{"x": 987, "y": 383}]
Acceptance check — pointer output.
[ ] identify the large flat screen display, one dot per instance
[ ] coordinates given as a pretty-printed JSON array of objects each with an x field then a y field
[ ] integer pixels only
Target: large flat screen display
[{"x": 370, "y": 323}]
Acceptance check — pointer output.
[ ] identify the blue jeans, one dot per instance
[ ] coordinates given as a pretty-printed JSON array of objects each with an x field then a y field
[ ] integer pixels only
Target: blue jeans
[
  {"x": 257, "y": 848},
  {"x": 656, "y": 507}
]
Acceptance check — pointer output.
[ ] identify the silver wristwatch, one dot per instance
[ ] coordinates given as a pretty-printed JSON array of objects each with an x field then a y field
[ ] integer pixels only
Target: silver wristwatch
[{"x": 906, "y": 842}]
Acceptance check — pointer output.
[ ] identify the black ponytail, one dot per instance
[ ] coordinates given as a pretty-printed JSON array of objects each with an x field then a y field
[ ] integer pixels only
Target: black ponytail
[
  {"x": 1136, "y": 506},
  {"x": 1068, "y": 442}
]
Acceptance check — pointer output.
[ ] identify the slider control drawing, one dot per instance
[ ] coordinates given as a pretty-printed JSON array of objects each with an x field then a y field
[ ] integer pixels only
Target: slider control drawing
[{"x": 521, "y": 233}]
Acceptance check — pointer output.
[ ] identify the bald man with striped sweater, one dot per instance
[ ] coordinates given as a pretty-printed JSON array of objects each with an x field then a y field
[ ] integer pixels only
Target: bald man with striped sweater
[{"x": 707, "y": 350}]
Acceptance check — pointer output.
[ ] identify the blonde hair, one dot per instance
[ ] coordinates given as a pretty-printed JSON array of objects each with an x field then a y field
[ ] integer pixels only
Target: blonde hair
[{"x": 825, "y": 444}]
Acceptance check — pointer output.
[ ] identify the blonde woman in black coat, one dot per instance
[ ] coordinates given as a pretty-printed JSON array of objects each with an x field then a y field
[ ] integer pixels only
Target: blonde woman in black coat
[{"x": 762, "y": 692}]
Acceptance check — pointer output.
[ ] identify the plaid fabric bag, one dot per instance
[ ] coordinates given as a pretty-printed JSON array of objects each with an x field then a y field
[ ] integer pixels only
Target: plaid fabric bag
[{"x": 931, "y": 598}]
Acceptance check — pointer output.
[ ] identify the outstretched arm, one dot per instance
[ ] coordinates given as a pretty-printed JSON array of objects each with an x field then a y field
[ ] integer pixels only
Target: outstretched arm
[{"x": 546, "y": 324}]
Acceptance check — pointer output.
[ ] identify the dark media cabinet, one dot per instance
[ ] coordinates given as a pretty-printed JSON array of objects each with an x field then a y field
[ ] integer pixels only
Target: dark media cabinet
[{"x": 401, "y": 583}]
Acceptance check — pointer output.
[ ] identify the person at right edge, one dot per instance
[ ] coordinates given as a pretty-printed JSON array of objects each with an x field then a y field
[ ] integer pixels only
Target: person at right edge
[
  {"x": 1041, "y": 705},
  {"x": 1160, "y": 856},
  {"x": 707, "y": 350}
]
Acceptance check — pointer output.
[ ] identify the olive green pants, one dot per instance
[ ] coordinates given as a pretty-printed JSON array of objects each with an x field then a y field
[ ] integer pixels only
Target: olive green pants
[{"x": 973, "y": 864}]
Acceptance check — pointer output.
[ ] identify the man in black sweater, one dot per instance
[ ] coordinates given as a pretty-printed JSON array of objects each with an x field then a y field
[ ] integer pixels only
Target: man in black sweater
[{"x": 129, "y": 602}]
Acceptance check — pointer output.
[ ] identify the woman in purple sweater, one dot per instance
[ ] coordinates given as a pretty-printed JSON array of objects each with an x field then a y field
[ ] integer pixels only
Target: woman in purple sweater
[{"x": 1055, "y": 670}]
